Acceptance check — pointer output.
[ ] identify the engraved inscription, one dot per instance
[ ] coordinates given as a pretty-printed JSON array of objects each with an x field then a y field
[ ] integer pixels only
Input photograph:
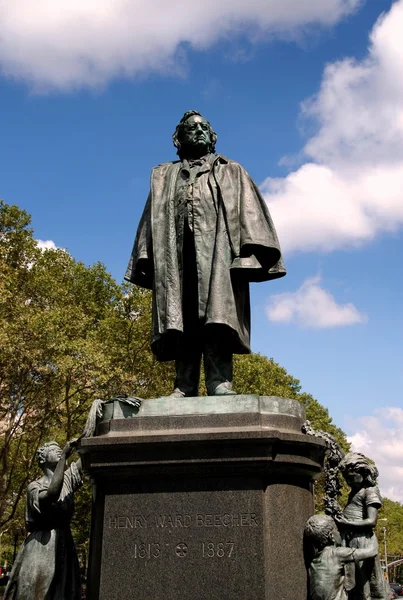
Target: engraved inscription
[
  {"x": 127, "y": 522},
  {"x": 217, "y": 550},
  {"x": 182, "y": 521},
  {"x": 144, "y": 550},
  {"x": 147, "y": 551},
  {"x": 227, "y": 520},
  {"x": 173, "y": 521},
  {"x": 149, "y": 525}
]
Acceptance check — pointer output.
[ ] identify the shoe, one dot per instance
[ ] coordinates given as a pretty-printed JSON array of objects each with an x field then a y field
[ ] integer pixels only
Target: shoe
[
  {"x": 176, "y": 394},
  {"x": 224, "y": 389}
]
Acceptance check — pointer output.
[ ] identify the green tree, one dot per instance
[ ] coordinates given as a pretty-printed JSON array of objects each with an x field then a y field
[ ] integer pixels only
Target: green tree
[
  {"x": 393, "y": 513},
  {"x": 68, "y": 334},
  {"x": 390, "y": 529}
]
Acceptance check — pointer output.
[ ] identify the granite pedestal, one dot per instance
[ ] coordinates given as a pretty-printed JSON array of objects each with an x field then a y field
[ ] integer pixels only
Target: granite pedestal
[{"x": 201, "y": 499}]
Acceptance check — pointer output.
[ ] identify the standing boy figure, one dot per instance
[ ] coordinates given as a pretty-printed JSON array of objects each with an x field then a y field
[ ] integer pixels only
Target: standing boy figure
[{"x": 326, "y": 569}]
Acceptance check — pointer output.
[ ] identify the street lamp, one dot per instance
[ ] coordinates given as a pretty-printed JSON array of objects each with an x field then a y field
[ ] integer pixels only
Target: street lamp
[{"x": 385, "y": 550}]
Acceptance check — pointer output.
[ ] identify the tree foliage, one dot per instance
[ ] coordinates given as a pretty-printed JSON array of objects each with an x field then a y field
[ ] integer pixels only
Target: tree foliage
[
  {"x": 390, "y": 530},
  {"x": 68, "y": 334},
  {"x": 393, "y": 513}
]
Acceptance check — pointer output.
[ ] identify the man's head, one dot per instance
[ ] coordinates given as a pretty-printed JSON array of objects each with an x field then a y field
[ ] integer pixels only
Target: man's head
[
  {"x": 322, "y": 531},
  {"x": 194, "y": 136}
]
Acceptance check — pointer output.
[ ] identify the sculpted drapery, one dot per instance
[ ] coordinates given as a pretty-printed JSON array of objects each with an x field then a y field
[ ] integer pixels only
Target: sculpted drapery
[{"x": 242, "y": 247}]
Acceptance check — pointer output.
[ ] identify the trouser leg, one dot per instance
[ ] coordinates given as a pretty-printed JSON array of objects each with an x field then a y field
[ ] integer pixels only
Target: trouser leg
[
  {"x": 188, "y": 360},
  {"x": 217, "y": 369},
  {"x": 188, "y": 370}
]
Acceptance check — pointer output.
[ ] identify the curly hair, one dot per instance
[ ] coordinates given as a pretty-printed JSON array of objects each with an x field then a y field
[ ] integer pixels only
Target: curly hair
[
  {"x": 361, "y": 464},
  {"x": 179, "y": 130},
  {"x": 42, "y": 452},
  {"x": 319, "y": 531}
]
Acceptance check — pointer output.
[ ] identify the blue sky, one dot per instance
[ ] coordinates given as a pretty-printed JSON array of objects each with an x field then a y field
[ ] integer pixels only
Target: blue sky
[{"x": 308, "y": 97}]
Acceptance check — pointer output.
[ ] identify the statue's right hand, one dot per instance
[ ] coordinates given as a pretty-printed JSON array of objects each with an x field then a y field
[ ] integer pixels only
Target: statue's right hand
[
  {"x": 342, "y": 521},
  {"x": 70, "y": 447}
]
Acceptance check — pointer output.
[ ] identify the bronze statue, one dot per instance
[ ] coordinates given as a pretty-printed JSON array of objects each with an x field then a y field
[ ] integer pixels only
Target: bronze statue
[
  {"x": 364, "y": 578},
  {"x": 329, "y": 560},
  {"x": 205, "y": 233},
  {"x": 46, "y": 567}
]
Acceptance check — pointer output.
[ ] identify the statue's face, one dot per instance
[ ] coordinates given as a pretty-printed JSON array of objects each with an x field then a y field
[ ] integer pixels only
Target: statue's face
[
  {"x": 196, "y": 134},
  {"x": 352, "y": 476},
  {"x": 53, "y": 455}
]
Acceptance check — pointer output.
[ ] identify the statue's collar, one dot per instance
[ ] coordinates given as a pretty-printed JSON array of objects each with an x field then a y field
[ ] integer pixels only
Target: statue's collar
[
  {"x": 193, "y": 162},
  {"x": 214, "y": 158},
  {"x": 220, "y": 158},
  {"x": 205, "y": 162},
  {"x": 211, "y": 158}
]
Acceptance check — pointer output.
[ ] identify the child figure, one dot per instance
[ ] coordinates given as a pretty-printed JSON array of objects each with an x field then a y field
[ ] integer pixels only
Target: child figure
[
  {"x": 326, "y": 570},
  {"x": 365, "y": 579}
]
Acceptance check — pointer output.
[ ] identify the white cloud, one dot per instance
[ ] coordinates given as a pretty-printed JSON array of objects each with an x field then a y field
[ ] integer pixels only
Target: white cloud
[
  {"x": 46, "y": 244},
  {"x": 312, "y": 306},
  {"x": 351, "y": 187},
  {"x": 380, "y": 438},
  {"x": 69, "y": 43}
]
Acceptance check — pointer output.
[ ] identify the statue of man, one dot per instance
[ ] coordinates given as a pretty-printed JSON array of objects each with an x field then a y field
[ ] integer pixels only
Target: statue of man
[{"x": 205, "y": 233}]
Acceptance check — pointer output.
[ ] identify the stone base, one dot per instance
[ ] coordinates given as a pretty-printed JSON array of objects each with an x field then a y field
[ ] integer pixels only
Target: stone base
[{"x": 201, "y": 499}]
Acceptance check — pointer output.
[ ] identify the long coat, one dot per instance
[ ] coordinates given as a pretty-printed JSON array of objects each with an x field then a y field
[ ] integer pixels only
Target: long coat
[{"x": 245, "y": 249}]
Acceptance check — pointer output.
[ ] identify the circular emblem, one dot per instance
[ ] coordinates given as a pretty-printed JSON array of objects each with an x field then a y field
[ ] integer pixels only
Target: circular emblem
[{"x": 181, "y": 550}]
